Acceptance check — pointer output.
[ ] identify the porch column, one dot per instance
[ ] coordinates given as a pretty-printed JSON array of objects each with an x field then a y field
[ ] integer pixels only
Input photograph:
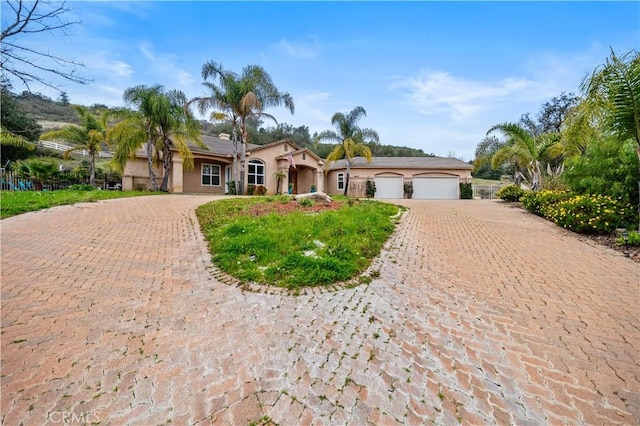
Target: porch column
[
  {"x": 177, "y": 170},
  {"x": 320, "y": 180},
  {"x": 127, "y": 183}
]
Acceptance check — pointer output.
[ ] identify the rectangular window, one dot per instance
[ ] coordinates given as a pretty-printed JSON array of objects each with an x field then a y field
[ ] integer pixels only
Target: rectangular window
[
  {"x": 255, "y": 173},
  {"x": 341, "y": 181},
  {"x": 210, "y": 175}
]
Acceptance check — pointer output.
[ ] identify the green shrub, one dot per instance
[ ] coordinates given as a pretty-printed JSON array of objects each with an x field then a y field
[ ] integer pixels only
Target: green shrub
[
  {"x": 537, "y": 202},
  {"x": 510, "y": 193},
  {"x": 250, "y": 189},
  {"x": 633, "y": 239},
  {"x": 408, "y": 189},
  {"x": 231, "y": 187},
  {"x": 82, "y": 187},
  {"x": 589, "y": 214},
  {"x": 370, "y": 190},
  {"x": 305, "y": 202},
  {"x": 466, "y": 191}
]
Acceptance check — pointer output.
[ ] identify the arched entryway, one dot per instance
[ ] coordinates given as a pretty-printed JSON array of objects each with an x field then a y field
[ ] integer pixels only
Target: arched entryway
[{"x": 303, "y": 179}]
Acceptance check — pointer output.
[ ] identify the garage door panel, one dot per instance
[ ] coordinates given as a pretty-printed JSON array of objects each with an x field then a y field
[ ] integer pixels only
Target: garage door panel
[
  {"x": 389, "y": 187},
  {"x": 435, "y": 188}
]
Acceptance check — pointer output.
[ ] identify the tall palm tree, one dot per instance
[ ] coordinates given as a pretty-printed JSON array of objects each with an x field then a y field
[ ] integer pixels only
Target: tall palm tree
[
  {"x": 89, "y": 137},
  {"x": 350, "y": 138},
  {"x": 522, "y": 147},
  {"x": 239, "y": 98},
  {"x": 160, "y": 123},
  {"x": 613, "y": 90}
]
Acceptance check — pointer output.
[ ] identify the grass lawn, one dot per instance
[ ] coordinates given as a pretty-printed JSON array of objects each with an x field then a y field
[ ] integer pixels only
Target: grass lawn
[
  {"x": 275, "y": 241},
  {"x": 478, "y": 181},
  {"x": 16, "y": 202}
]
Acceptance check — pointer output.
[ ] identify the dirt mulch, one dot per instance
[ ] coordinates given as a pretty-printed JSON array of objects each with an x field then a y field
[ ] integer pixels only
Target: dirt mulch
[{"x": 262, "y": 209}]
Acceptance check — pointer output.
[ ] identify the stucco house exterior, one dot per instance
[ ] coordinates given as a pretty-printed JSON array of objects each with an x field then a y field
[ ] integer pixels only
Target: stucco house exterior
[
  {"x": 213, "y": 168},
  {"x": 431, "y": 177}
]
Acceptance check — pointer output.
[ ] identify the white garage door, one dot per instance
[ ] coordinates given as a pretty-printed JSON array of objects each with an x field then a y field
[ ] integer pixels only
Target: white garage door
[
  {"x": 389, "y": 187},
  {"x": 435, "y": 188}
]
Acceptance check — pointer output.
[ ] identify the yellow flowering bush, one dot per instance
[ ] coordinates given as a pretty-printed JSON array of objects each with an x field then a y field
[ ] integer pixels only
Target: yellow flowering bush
[
  {"x": 589, "y": 214},
  {"x": 538, "y": 202}
]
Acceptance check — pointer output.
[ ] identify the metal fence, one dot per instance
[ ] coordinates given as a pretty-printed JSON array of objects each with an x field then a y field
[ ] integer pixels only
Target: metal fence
[
  {"x": 486, "y": 192},
  {"x": 12, "y": 181}
]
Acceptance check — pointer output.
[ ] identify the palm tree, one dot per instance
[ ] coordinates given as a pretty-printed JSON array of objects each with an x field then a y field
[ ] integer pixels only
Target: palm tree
[
  {"x": 160, "y": 124},
  {"x": 350, "y": 138},
  {"x": 39, "y": 170},
  {"x": 89, "y": 137},
  {"x": 613, "y": 90},
  {"x": 240, "y": 97},
  {"x": 522, "y": 148}
]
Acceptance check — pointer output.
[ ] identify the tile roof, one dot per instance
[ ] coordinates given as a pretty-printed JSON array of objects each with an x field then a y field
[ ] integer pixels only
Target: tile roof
[
  {"x": 218, "y": 146},
  {"x": 403, "y": 162}
]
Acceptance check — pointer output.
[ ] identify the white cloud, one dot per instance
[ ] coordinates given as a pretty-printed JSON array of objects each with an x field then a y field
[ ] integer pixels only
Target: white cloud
[
  {"x": 121, "y": 69},
  {"x": 300, "y": 50},
  {"x": 311, "y": 105},
  {"x": 165, "y": 68},
  {"x": 438, "y": 92},
  {"x": 145, "y": 48}
]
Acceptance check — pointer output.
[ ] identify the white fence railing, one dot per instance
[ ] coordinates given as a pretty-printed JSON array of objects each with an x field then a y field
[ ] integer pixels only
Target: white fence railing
[
  {"x": 62, "y": 147},
  {"x": 486, "y": 192}
]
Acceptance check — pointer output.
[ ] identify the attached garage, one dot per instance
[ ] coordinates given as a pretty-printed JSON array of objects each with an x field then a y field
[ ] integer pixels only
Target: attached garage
[
  {"x": 434, "y": 178},
  {"x": 389, "y": 187},
  {"x": 436, "y": 188}
]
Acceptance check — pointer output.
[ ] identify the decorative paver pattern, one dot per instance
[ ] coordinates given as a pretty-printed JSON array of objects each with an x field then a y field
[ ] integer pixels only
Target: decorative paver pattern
[{"x": 481, "y": 314}]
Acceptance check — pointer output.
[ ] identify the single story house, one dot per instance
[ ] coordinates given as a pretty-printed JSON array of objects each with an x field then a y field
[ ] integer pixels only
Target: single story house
[{"x": 282, "y": 164}]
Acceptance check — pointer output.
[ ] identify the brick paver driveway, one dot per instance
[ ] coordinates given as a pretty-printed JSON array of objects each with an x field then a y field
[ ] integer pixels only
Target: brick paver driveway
[{"x": 482, "y": 314}]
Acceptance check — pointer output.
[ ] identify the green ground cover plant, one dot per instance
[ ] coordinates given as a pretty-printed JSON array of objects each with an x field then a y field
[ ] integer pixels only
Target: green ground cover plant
[
  {"x": 633, "y": 239},
  {"x": 298, "y": 248},
  {"x": 17, "y": 202}
]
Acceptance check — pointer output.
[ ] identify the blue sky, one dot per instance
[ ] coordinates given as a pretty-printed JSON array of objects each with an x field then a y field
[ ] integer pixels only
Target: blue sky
[{"x": 431, "y": 75}]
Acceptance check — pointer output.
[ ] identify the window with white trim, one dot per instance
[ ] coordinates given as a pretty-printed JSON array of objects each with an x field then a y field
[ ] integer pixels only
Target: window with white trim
[
  {"x": 210, "y": 175},
  {"x": 341, "y": 181},
  {"x": 255, "y": 173}
]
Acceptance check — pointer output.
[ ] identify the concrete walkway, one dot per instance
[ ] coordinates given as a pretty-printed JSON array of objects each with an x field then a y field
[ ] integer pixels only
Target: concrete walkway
[{"x": 482, "y": 314}]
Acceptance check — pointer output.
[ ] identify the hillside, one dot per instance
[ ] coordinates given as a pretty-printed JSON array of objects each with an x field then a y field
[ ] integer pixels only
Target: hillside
[{"x": 45, "y": 109}]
